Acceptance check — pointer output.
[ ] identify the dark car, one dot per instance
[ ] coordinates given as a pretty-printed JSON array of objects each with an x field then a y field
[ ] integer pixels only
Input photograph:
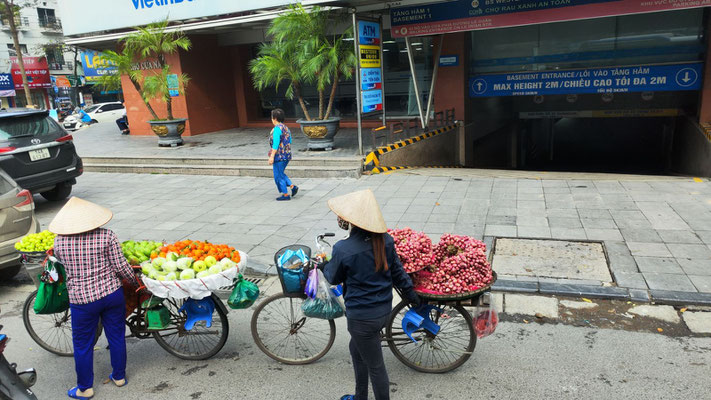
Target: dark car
[{"x": 37, "y": 153}]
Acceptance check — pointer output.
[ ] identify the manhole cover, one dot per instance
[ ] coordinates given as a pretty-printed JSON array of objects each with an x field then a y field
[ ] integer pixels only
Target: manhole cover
[{"x": 551, "y": 259}]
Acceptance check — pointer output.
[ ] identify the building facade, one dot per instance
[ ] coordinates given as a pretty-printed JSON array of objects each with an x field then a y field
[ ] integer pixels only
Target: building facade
[{"x": 537, "y": 84}]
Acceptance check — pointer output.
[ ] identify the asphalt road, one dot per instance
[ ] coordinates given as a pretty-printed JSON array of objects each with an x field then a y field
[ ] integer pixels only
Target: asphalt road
[{"x": 520, "y": 361}]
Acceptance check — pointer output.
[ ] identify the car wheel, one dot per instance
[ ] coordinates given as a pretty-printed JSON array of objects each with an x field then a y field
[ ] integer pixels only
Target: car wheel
[
  {"x": 8, "y": 273},
  {"x": 60, "y": 192}
]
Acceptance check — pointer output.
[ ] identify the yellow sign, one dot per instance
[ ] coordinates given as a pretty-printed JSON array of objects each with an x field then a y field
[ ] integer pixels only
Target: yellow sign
[{"x": 369, "y": 56}]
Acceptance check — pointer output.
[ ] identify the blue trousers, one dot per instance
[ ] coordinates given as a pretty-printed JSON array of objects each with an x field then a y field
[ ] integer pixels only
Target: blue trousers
[
  {"x": 85, "y": 320},
  {"x": 282, "y": 181}
]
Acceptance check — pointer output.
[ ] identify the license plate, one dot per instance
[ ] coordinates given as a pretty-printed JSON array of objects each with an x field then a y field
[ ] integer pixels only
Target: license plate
[
  {"x": 40, "y": 154},
  {"x": 68, "y": 125}
]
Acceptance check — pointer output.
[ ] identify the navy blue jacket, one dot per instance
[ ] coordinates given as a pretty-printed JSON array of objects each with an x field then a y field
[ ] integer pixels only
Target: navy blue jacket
[{"x": 368, "y": 294}]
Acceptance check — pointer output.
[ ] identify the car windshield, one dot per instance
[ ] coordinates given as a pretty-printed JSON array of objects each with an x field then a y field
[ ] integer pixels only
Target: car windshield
[
  {"x": 91, "y": 109},
  {"x": 28, "y": 125}
]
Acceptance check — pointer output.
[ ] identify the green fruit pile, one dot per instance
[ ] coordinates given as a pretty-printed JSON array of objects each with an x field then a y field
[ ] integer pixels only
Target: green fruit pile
[
  {"x": 138, "y": 252},
  {"x": 36, "y": 242},
  {"x": 173, "y": 267}
]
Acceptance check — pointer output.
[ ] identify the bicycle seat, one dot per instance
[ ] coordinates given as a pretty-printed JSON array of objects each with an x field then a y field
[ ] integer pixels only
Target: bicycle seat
[
  {"x": 198, "y": 310},
  {"x": 419, "y": 317}
]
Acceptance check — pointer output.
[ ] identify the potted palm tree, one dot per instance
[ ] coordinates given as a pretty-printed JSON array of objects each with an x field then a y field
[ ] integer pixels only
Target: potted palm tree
[
  {"x": 152, "y": 42},
  {"x": 302, "y": 51}
]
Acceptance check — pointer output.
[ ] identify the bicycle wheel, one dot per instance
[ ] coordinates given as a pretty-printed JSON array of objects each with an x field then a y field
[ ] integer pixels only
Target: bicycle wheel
[
  {"x": 282, "y": 332},
  {"x": 199, "y": 343},
  {"x": 447, "y": 350},
  {"x": 53, "y": 332}
]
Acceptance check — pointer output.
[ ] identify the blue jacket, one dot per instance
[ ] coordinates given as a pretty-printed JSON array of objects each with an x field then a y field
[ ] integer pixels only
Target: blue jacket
[{"x": 368, "y": 294}]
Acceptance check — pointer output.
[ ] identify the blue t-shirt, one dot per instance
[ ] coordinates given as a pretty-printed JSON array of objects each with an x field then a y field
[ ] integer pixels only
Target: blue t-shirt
[{"x": 276, "y": 137}]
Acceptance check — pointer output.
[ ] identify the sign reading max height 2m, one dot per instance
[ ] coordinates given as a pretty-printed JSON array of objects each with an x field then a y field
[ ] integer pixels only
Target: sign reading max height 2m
[{"x": 641, "y": 78}]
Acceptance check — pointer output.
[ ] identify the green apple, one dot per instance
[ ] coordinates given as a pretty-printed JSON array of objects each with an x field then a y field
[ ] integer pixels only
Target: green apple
[
  {"x": 199, "y": 266},
  {"x": 210, "y": 261}
]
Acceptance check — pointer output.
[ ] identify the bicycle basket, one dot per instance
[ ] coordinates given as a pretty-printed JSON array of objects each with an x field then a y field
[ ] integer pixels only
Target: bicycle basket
[{"x": 293, "y": 279}]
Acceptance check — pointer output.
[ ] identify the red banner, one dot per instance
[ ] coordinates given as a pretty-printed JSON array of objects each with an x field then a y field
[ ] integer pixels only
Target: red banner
[
  {"x": 466, "y": 15},
  {"x": 37, "y": 72}
]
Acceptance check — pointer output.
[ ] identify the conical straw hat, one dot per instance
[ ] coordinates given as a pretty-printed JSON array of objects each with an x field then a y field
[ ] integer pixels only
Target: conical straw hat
[
  {"x": 79, "y": 216},
  {"x": 360, "y": 209}
]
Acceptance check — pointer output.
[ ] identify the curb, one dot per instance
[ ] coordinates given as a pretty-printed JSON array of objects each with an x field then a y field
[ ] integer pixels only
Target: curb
[
  {"x": 604, "y": 292},
  {"x": 377, "y": 170}
]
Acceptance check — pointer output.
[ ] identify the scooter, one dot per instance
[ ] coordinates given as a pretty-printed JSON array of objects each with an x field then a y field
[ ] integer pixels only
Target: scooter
[{"x": 14, "y": 385}]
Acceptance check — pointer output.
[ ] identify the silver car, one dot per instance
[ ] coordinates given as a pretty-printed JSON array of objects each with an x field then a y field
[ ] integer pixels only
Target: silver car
[{"x": 17, "y": 219}]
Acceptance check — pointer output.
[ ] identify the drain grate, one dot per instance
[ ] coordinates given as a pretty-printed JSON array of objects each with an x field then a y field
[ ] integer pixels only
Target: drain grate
[{"x": 546, "y": 258}]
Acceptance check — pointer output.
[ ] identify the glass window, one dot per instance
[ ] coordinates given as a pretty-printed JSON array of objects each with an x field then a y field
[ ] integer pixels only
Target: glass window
[
  {"x": 91, "y": 109},
  {"x": 27, "y": 126},
  {"x": 400, "y": 94},
  {"x": 13, "y": 53},
  {"x": 5, "y": 186},
  {"x": 626, "y": 40}
]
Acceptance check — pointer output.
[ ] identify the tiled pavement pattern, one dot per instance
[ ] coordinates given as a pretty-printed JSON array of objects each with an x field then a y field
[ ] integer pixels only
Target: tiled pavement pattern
[{"x": 657, "y": 233}]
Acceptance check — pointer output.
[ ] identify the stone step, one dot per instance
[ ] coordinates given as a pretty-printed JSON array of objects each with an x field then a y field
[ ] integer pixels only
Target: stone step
[
  {"x": 353, "y": 162},
  {"x": 298, "y": 171}
]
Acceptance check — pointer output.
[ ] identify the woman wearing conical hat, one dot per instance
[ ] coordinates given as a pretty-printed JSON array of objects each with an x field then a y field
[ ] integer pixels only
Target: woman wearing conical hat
[
  {"x": 368, "y": 266},
  {"x": 94, "y": 264}
]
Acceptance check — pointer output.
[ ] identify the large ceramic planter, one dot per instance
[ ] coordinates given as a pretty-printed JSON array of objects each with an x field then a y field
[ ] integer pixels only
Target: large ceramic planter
[
  {"x": 169, "y": 132},
  {"x": 320, "y": 133}
]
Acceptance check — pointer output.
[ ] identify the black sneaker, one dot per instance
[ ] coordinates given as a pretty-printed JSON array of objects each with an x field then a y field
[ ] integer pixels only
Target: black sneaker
[
  {"x": 294, "y": 191},
  {"x": 283, "y": 198}
]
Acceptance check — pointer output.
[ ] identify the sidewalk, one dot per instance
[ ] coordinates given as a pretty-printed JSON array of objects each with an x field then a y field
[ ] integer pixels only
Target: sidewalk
[
  {"x": 656, "y": 233},
  {"x": 105, "y": 140}
]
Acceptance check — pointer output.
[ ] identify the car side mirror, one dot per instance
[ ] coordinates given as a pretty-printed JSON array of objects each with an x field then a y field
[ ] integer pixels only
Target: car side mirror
[{"x": 99, "y": 111}]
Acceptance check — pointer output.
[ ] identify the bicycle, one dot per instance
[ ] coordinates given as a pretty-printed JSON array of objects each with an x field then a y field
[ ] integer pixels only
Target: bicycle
[
  {"x": 53, "y": 332},
  {"x": 279, "y": 328}
]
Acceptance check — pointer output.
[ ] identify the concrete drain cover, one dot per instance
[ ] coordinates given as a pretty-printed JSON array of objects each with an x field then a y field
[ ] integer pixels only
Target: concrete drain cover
[{"x": 551, "y": 259}]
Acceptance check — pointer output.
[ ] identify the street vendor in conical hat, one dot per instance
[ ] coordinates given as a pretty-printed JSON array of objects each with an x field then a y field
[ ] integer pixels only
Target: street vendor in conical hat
[
  {"x": 94, "y": 265},
  {"x": 368, "y": 266}
]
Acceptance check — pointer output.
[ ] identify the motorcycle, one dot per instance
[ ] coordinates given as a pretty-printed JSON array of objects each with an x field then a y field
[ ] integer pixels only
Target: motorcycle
[{"x": 14, "y": 385}]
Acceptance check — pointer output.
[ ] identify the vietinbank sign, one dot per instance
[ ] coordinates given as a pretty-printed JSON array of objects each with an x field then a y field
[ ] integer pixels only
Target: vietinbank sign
[
  {"x": 142, "y": 4},
  {"x": 468, "y": 15},
  {"x": 84, "y": 16}
]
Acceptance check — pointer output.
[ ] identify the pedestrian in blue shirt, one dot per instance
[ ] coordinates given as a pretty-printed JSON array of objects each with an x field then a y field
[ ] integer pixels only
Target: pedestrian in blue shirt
[
  {"x": 280, "y": 155},
  {"x": 368, "y": 266}
]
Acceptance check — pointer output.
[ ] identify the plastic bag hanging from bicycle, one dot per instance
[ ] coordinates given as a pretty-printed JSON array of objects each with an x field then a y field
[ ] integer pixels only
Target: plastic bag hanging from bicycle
[{"x": 323, "y": 304}]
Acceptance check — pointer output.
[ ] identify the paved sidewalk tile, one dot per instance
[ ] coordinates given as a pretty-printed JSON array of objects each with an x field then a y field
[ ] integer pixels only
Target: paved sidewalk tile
[
  {"x": 534, "y": 231},
  {"x": 640, "y": 235},
  {"x": 649, "y": 249},
  {"x": 698, "y": 251},
  {"x": 500, "y": 231},
  {"x": 603, "y": 234},
  {"x": 702, "y": 283},
  {"x": 665, "y": 265},
  {"x": 568, "y": 233},
  {"x": 673, "y": 282},
  {"x": 634, "y": 280},
  {"x": 695, "y": 267},
  {"x": 558, "y": 222},
  {"x": 675, "y": 236}
]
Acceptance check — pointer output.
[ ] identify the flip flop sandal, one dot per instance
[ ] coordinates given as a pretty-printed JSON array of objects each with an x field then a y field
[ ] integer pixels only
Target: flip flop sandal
[
  {"x": 348, "y": 397},
  {"x": 111, "y": 379},
  {"x": 72, "y": 393}
]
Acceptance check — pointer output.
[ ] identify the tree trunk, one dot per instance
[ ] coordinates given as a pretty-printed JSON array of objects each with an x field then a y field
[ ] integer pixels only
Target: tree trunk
[
  {"x": 301, "y": 102},
  {"x": 13, "y": 32},
  {"x": 168, "y": 98},
  {"x": 320, "y": 104},
  {"x": 332, "y": 96},
  {"x": 148, "y": 105}
]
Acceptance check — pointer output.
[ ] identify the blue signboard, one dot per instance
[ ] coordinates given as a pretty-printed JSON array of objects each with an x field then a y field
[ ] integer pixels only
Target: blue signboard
[
  {"x": 449, "y": 61},
  {"x": 6, "y": 82},
  {"x": 368, "y": 32},
  {"x": 370, "y": 79},
  {"x": 642, "y": 78},
  {"x": 95, "y": 66},
  {"x": 372, "y": 100}
]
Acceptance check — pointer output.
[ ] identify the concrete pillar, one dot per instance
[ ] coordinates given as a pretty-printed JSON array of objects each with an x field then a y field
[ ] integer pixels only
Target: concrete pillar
[{"x": 705, "y": 96}]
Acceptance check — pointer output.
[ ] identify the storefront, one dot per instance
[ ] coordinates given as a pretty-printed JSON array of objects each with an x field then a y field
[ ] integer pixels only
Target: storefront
[
  {"x": 38, "y": 79},
  {"x": 538, "y": 84}
]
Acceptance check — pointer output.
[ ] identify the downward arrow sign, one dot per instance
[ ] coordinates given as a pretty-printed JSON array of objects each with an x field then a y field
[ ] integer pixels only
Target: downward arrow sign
[{"x": 686, "y": 77}]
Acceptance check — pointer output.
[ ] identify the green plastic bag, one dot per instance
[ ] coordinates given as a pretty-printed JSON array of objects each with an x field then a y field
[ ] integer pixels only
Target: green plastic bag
[
  {"x": 243, "y": 295},
  {"x": 52, "y": 297}
]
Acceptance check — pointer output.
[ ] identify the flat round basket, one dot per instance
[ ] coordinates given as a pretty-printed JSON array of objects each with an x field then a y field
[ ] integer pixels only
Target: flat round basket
[
  {"x": 33, "y": 257},
  {"x": 458, "y": 296}
]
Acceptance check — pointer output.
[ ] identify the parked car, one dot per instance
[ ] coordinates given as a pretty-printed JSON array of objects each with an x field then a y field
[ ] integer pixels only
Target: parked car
[
  {"x": 100, "y": 112},
  {"x": 37, "y": 153},
  {"x": 17, "y": 219}
]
